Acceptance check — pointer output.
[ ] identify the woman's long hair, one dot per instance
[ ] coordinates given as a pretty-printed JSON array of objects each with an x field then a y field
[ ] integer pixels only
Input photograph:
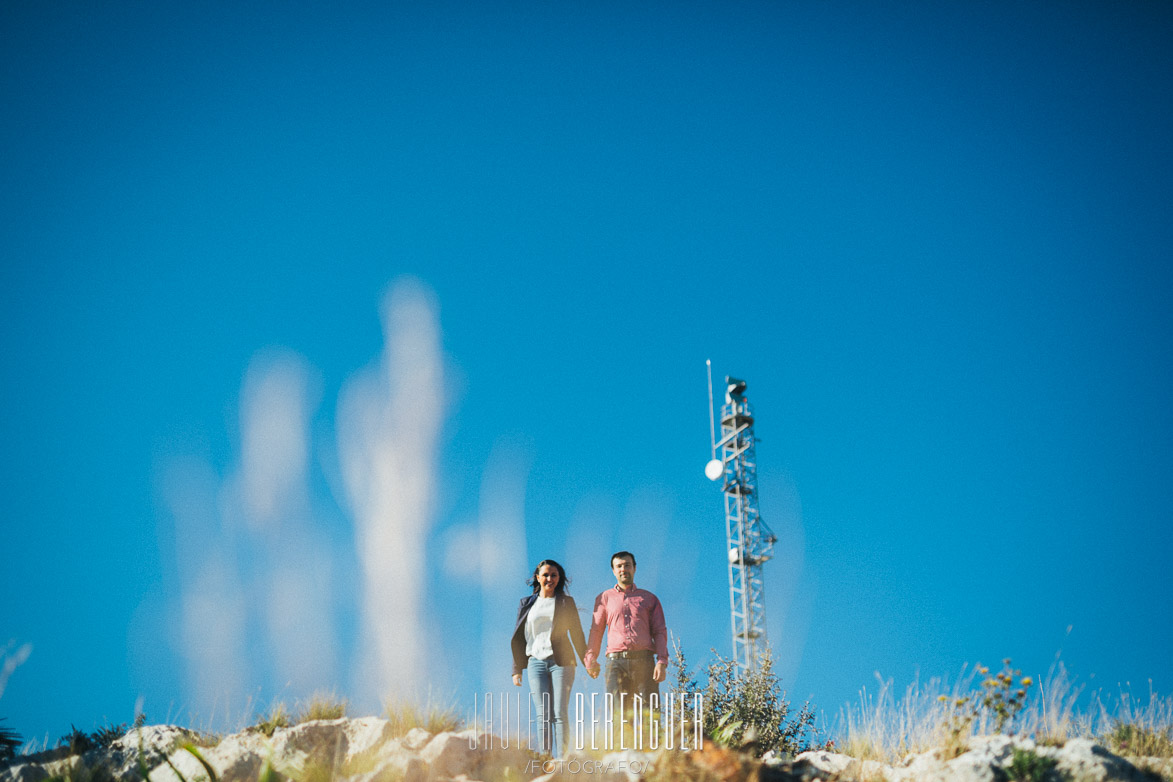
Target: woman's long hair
[{"x": 563, "y": 581}]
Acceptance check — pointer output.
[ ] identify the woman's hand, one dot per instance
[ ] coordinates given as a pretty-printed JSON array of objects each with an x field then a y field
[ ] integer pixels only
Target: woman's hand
[{"x": 517, "y": 680}]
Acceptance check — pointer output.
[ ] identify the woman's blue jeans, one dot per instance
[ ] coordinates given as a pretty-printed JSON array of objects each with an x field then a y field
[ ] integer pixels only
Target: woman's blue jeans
[{"x": 549, "y": 685}]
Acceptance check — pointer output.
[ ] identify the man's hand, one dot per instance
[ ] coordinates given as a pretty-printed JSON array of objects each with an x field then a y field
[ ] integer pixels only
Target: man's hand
[
  {"x": 517, "y": 680},
  {"x": 660, "y": 673},
  {"x": 593, "y": 670}
]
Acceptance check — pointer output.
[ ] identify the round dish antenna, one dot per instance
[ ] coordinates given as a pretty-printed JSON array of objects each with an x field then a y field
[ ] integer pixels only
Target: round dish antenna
[{"x": 714, "y": 469}]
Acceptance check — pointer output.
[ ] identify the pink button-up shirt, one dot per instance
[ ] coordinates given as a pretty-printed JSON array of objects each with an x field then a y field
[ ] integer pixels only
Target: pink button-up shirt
[{"x": 633, "y": 619}]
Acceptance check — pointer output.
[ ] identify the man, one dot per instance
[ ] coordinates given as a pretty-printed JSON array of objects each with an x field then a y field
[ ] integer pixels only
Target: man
[{"x": 637, "y": 638}]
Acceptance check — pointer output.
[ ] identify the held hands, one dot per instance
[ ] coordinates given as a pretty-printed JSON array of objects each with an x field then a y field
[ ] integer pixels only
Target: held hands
[
  {"x": 593, "y": 670},
  {"x": 660, "y": 673},
  {"x": 517, "y": 680}
]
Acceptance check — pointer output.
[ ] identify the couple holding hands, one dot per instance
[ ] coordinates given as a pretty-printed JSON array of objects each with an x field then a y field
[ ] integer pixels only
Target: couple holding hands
[{"x": 548, "y": 638}]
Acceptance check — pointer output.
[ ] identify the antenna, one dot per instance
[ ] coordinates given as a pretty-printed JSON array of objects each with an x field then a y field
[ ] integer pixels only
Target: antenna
[
  {"x": 714, "y": 468},
  {"x": 749, "y": 542},
  {"x": 712, "y": 430}
]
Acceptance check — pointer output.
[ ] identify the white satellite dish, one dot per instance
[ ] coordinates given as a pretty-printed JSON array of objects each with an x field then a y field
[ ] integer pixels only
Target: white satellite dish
[{"x": 714, "y": 469}]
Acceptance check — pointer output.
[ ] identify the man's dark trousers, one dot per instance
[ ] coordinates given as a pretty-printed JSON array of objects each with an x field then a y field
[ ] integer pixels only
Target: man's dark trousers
[{"x": 631, "y": 675}]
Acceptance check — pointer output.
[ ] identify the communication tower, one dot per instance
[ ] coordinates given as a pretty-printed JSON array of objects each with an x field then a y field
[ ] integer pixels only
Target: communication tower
[{"x": 749, "y": 542}]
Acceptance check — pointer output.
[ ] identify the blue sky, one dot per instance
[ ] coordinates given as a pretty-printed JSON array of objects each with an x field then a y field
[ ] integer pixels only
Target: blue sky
[{"x": 934, "y": 240}]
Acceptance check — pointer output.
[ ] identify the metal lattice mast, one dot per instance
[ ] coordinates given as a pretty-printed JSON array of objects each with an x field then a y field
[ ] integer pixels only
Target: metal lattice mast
[{"x": 750, "y": 543}]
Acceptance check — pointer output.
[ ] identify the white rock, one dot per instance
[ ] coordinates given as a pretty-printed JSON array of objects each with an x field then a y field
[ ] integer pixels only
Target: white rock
[
  {"x": 1086, "y": 761},
  {"x": 416, "y": 738},
  {"x": 154, "y": 739},
  {"x": 366, "y": 735},
  {"x": 236, "y": 758},
  {"x": 449, "y": 754},
  {"x": 324, "y": 740},
  {"x": 25, "y": 772},
  {"x": 828, "y": 763}
]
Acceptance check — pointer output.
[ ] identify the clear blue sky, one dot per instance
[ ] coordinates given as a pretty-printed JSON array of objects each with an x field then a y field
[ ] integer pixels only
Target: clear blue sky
[{"x": 936, "y": 239}]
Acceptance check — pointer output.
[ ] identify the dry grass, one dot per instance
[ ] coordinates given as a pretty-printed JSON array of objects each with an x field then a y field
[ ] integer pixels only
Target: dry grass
[
  {"x": 936, "y": 715},
  {"x": 432, "y": 717},
  {"x": 278, "y": 717},
  {"x": 1136, "y": 730},
  {"x": 1052, "y": 717},
  {"x": 322, "y": 705},
  {"x": 886, "y": 728}
]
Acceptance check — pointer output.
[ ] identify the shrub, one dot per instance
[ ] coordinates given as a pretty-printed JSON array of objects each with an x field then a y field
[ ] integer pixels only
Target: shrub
[
  {"x": 1028, "y": 766},
  {"x": 108, "y": 734},
  {"x": 10, "y": 741},
  {"x": 748, "y": 711},
  {"x": 1000, "y": 702},
  {"x": 1001, "y": 698},
  {"x": 79, "y": 742}
]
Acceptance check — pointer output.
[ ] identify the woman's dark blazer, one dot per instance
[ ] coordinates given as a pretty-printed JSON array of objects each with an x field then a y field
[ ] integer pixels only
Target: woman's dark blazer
[{"x": 566, "y": 622}]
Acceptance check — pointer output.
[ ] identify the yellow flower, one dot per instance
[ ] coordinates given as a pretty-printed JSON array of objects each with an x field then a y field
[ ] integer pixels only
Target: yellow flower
[{"x": 1027, "y": 681}]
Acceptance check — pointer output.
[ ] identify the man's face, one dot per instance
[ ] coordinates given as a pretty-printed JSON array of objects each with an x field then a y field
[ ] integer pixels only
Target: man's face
[{"x": 624, "y": 570}]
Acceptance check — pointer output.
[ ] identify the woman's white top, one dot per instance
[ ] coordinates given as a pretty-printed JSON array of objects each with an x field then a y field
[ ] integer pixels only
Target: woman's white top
[{"x": 538, "y": 625}]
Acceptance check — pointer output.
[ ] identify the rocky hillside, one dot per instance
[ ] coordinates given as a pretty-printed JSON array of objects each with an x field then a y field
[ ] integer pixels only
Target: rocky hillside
[{"x": 364, "y": 750}]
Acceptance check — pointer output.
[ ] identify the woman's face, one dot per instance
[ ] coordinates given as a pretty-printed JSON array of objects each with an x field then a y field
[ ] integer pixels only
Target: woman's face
[{"x": 548, "y": 577}]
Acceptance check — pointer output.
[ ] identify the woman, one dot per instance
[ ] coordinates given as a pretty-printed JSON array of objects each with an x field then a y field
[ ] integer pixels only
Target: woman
[{"x": 547, "y": 625}]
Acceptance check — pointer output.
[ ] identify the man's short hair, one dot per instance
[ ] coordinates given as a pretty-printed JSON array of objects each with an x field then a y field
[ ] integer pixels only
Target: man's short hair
[{"x": 619, "y": 554}]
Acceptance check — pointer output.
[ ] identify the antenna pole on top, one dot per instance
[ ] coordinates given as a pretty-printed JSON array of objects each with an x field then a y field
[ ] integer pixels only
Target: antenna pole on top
[{"x": 712, "y": 427}]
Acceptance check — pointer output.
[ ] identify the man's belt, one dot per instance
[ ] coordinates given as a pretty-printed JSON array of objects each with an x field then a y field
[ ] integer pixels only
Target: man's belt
[{"x": 636, "y": 654}]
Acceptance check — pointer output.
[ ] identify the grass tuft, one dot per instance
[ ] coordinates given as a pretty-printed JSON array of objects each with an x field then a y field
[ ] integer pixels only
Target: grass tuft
[
  {"x": 432, "y": 717},
  {"x": 322, "y": 705},
  {"x": 278, "y": 717}
]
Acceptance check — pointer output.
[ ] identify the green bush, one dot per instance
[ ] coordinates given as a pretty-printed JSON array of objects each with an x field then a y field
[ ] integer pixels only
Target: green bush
[
  {"x": 1028, "y": 766},
  {"x": 78, "y": 741},
  {"x": 10, "y": 741},
  {"x": 747, "y": 712},
  {"x": 108, "y": 734}
]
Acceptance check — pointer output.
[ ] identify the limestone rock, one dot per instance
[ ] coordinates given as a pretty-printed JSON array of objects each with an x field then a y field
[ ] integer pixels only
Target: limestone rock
[
  {"x": 1086, "y": 761},
  {"x": 363, "y": 750},
  {"x": 823, "y": 763},
  {"x": 416, "y": 738},
  {"x": 366, "y": 735},
  {"x": 25, "y": 772},
  {"x": 236, "y": 758},
  {"x": 325, "y": 739}
]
